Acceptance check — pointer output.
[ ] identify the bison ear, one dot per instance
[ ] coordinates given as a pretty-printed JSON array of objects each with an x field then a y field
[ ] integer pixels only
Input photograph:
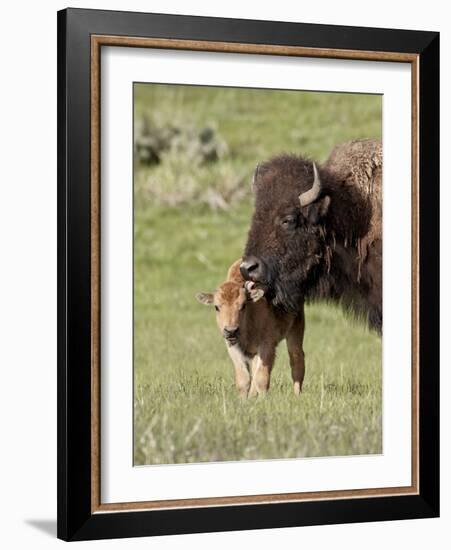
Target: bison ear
[
  {"x": 316, "y": 211},
  {"x": 205, "y": 298}
]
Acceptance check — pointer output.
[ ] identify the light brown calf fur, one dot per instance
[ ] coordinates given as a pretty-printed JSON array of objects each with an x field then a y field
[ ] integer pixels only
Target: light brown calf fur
[{"x": 252, "y": 329}]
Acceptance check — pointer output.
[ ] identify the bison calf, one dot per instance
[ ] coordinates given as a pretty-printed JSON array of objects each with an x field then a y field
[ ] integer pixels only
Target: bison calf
[{"x": 252, "y": 328}]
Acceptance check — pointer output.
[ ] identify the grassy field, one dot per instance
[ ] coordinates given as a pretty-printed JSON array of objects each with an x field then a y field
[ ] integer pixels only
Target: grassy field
[{"x": 191, "y": 220}]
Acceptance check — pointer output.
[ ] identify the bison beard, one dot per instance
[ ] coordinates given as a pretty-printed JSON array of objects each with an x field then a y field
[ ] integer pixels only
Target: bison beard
[{"x": 320, "y": 239}]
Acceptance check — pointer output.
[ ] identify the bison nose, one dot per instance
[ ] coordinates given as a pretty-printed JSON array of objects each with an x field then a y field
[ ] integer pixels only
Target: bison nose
[
  {"x": 231, "y": 332},
  {"x": 250, "y": 268}
]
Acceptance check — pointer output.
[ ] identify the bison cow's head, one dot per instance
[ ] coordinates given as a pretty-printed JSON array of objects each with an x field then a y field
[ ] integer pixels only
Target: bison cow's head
[{"x": 285, "y": 247}]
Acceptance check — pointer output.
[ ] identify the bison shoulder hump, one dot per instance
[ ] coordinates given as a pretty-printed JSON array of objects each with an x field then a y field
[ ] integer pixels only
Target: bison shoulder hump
[{"x": 359, "y": 163}]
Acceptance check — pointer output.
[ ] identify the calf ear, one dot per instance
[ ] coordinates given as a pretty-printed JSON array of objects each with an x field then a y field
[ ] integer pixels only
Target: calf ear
[
  {"x": 205, "y": 298},
  {"x": 255, "y": 294},
  {"x": 316, "y": 211}
]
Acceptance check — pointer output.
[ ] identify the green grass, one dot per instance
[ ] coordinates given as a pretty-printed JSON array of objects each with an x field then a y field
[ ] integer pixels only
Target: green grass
[
  {"x": 186, "y": 406},
  {"x": 255, "y": 125}
]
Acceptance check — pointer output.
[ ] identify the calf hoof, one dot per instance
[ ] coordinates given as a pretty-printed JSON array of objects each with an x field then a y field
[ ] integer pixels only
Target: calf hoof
[
  {"x": 262, "y": 392},
  {"x": 253, "y": 392}
]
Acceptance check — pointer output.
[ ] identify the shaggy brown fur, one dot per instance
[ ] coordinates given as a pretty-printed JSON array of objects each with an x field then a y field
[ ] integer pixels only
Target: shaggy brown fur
[
  {"x": 330, "y": 249},
  {"x": 252, "y": 329},
  {"x": 359, "y": 163}
]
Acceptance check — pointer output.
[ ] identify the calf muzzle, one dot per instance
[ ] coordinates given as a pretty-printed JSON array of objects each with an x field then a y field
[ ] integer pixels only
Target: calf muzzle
[{"x": 231, "y": 333}]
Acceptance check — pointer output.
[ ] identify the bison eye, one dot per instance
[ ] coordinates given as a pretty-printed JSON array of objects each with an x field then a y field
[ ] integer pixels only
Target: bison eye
[
  {"x": 288, "y": 222},
  {"x": 217, "y": 308}
]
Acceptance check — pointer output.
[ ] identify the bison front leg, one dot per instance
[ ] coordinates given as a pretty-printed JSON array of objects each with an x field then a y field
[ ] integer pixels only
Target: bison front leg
[
  {"x": 261, "y": 370},
  {"x": 295, "y": 339},
  {"x": 242, "y": 375}
]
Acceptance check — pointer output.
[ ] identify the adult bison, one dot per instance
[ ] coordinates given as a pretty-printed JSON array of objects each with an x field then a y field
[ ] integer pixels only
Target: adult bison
[{"x": 316, "y": 232}]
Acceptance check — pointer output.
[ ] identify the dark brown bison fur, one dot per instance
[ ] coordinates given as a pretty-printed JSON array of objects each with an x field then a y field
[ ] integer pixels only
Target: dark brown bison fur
[{"x": 330, "y": 249}]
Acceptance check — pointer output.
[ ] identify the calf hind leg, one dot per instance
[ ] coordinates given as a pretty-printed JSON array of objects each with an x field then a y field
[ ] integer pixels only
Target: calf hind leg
[
  {"x": 242, "y": 380},
  {"x": 261, "y": 371}
]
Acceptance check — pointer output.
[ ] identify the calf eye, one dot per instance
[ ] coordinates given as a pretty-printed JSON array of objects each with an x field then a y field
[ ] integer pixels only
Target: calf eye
[
  {"x": 217, "y": 308},
  {"x": 243, "y": 306}
]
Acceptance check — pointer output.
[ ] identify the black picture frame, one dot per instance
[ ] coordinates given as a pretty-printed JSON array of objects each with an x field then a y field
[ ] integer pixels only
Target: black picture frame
[{"x": 76, "y": 521}]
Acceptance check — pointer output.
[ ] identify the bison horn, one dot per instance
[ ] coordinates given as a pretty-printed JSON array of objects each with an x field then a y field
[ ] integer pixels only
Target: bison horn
[
  {"x": 255, "y": 175},
  {"x": 313, "y": 193}
]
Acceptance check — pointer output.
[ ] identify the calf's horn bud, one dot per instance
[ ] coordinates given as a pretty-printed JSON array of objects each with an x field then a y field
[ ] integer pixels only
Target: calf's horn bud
[{"x": 313, "y": 193}]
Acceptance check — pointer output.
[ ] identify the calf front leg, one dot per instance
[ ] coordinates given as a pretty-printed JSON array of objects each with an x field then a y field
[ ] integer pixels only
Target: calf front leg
[
  {"x": 295, "y": 339},
  {"x": 261, "y": 370},
  {"x": 242, "y": 375}
]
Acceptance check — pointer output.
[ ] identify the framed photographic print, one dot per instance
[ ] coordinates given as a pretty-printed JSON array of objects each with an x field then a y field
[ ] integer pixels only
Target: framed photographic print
[{"x": 248, "y": 274}]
